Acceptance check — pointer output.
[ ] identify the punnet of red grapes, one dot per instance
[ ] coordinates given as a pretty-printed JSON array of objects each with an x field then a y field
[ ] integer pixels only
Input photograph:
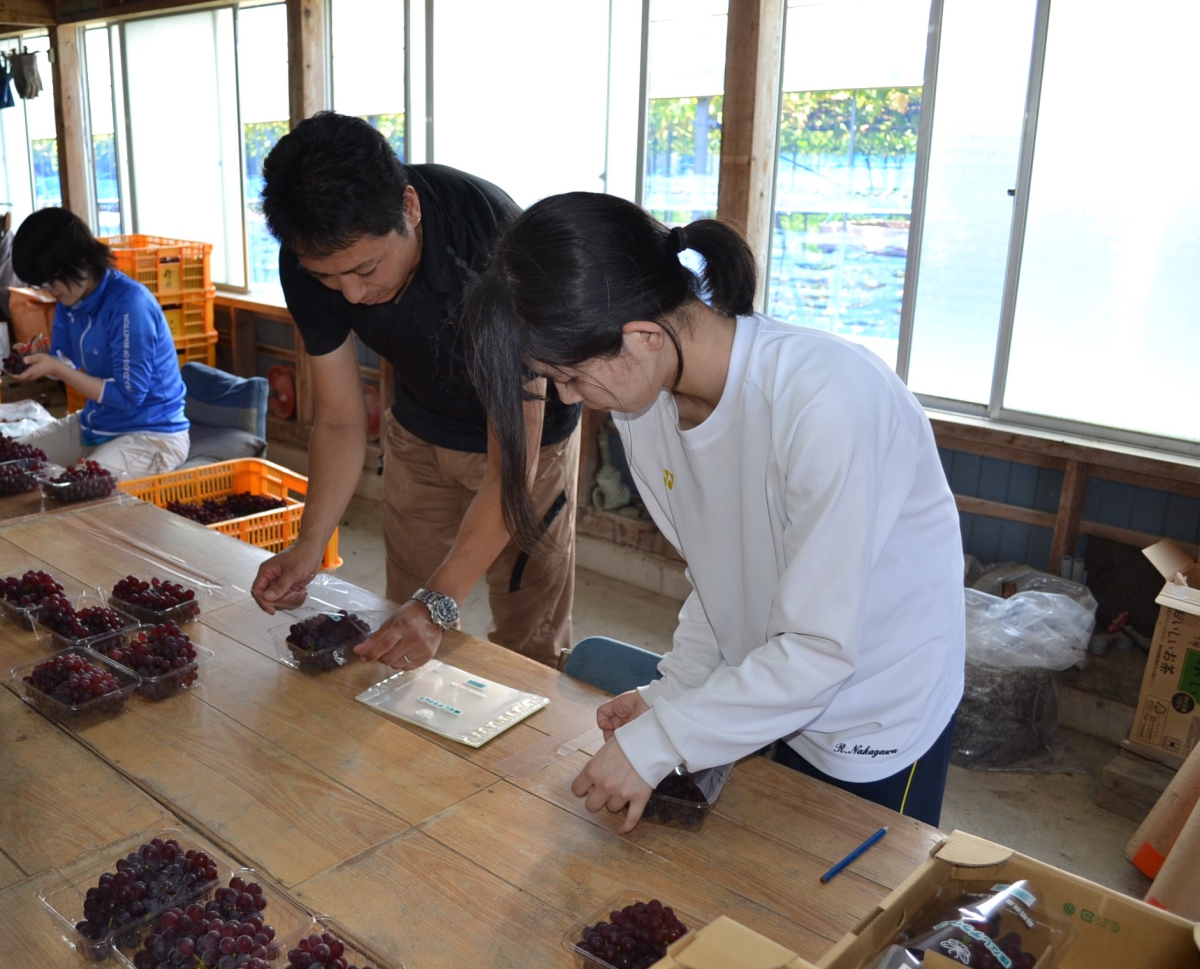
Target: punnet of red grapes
[
  {"x": 163, "y": 656},
  {"x": 80, "y": 482},
  {"x": 158, "y": 876},
  {"x": 320, "y": 951},
  {"x": 214, "y": 510},
  {"x": 60, "y": 617},
  {"x": 72, "y": 680},
  {"x": 154, "y": 599},
  {"x": 19, "y": 476},
  {"x": 11, "y": 450},
  {"x": 319, "y": 642},
  {"x": 31, "y": 588},
  {"x": 634, "y": 937}
]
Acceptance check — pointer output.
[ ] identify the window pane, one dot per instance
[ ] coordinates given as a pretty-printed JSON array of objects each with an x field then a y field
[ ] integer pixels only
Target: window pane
[
  {"x": 104, "y": 147},
  {"x": 183, "y": 126},
  {"x": 521, "y": 91},
  {"x": 43, "y": 137},
  {"x": 683, "y": 117},
  {"x": 368, "y": 65},
  {"x": 14, "y": 142},
  {"x": 983, "y": 74},
  {"x": 263, "y": 86},
  {"x": 1106, "y": 310},
  {"x": 852, "y": 76}
]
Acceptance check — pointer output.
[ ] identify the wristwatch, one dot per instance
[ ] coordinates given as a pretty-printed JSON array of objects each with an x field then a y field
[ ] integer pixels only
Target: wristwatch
[{"x": 442, "y": 609}]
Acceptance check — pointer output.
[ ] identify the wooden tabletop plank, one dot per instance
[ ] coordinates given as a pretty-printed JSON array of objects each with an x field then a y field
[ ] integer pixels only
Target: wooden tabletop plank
[
  {"x": 31, "y": 936},
  {"x": 28, "y": 504},
  {"x": 10, "y": 871},
  {"x": 575, "y": 866},
  {"x": 416, "y": 900},
  {"x": 246, "y": 793},
  {"x": 59, "y": 800},
  {"x": 376, "y": 756}
]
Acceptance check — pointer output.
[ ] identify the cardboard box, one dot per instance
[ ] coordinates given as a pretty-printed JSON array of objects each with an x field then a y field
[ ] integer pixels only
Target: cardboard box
[
  {"x": 726, "y": 944},
  {"x": 1167, "y": 724},
  {"x": 1113, "y": 930}
]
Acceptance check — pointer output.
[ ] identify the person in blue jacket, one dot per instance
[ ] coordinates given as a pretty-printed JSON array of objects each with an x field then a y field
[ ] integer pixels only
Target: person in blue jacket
[{"x": 110, "y": 342}]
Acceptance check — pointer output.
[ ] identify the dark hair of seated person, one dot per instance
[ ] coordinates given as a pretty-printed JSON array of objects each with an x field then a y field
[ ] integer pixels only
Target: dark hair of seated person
[
  {"x": 331, "y": 181},
  {"x": 56, "y": 244}
]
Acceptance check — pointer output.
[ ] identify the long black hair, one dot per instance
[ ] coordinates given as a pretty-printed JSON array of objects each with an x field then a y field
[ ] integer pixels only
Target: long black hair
[
  {"x": 562, "y": 281},
  {"x": 55, "y": 244}
]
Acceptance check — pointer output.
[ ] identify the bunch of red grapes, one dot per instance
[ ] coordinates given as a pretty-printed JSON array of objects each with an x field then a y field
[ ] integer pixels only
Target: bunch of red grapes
[
  {"x": 635, "y": 937},
  {"x": 15, "y": 363},
  {"x": 157, "y": 652},
  {"x": 30, "y": 589},
  {"x": 19, "y": 476},
  {"x": 213, "y": 510},
  {"x": 324, "y": 951},
  {"x": 57, "y": 613},
  {"x": 146, "y": 881},
  {"x": 12, "y": 450},
  {"x": 319, "y": 643},
  {"x": 81, "y": 481},
  {"x": 72, "y": 680},
  {"x": 663, "y": 805},
  {"x": 213, "y": 936},
  {"x": 153, "y": 596}
]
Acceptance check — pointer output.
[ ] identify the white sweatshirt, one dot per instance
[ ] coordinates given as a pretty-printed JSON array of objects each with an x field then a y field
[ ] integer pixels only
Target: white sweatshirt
[{"x": 824, "y": 551}]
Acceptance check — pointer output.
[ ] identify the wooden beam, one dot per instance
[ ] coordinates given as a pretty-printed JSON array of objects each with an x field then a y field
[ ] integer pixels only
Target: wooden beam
[
  {"x": 70, "y": 123},
  {"x": 1130, "y": 536},
  {"x": 1070, "y": 509},
  {"x": 998, "y": 509},
  {"x": 750, "y": 122},
  {"x": 308, "y": 88},
  {"x": 28, "y": 13}
]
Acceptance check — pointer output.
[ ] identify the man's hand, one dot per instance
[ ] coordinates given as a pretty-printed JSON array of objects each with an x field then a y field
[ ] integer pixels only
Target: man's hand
[
  {"x": 407, "y": 640},
  {"x": 619, "y": 711},
  {"x": 41, "y": 365},
  {"x": 610, "y": 781},
  {"x": 282, "y": 580}
]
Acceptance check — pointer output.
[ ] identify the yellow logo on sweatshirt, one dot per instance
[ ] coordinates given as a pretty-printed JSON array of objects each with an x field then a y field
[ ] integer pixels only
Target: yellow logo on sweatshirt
[{"x": 668, "y": 479}]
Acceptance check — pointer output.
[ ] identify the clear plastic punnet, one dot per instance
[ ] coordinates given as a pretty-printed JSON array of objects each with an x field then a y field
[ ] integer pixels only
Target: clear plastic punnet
[
  {"x": 18, "y": 606},
  {"x": 316, "y": 641},
  {"x": 156, "y": 685},
  {"x": 89, "y": 488},
  {"x": 147, "y": 595},
  {"x": 327, "y": 593},
  {"x": 100, "y": 641},
  {"x": 684, "y": 799},
  {"x": 24, "y": 474},
  {"x": 451, "y": 702},
  {"x": 80, "y": 712},
  {"x": 599, "y": 939},
  {"x": 352, "y": 952}
]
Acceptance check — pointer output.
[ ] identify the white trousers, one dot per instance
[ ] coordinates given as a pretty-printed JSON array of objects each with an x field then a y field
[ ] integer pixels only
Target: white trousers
[{"x": 128, "y": 455}]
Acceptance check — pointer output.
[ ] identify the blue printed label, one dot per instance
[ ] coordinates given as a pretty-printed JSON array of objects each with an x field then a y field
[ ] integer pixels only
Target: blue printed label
[{"x": 440, "y": 705}]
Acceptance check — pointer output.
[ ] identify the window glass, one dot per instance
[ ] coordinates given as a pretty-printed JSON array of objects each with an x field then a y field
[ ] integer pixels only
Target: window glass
[
  {"x": 1106, "y": 307},
  {"x": 850, "y": 107},
  {"x": 263, "y": 88},
  {"x": 185, "y": 146},
  {"x": 17, "y": 182},
  {"x": 686, "y": 81},
  {"x": 368, "y": 65},
  {"x": 104, "y": 143},
  {"x": 43, "y": 136},
  {"x": 983, "y": 74}
]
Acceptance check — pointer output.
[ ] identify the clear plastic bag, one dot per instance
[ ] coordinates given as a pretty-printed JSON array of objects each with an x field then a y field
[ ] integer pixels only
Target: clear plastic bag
[{"x": 23, "y": 417}]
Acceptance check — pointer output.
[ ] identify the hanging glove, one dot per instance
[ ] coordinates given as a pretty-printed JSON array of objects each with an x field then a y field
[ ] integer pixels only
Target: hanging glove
[
  {"x": 25, "y": 74},
  {"x": 6, "y": 96}
]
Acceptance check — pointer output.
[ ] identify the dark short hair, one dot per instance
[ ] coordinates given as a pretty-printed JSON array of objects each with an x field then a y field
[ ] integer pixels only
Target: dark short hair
[
  {"x": 331, "y": 181},
  {"x": 54, "y": 244},
  {"x": 561, "y": 283}
]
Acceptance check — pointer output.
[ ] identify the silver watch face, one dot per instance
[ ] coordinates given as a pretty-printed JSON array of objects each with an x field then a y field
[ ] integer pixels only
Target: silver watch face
[{"x": 442, "y": 609}]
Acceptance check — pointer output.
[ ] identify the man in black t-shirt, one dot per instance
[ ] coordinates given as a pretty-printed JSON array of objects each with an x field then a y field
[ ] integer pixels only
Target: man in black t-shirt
[{"x": 373, "y": 248}]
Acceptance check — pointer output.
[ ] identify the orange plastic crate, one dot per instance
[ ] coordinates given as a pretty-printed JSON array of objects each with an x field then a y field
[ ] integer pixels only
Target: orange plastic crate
[
  {"x": 272, "y": 530},
  {"x": 189, "y": 314},
  {"x": 164, "y": 266},
  {"x": 202, "y": 347}
]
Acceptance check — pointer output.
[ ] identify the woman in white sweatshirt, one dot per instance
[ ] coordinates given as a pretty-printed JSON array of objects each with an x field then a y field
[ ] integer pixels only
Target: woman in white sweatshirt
[{"x": 793, "y": 471}]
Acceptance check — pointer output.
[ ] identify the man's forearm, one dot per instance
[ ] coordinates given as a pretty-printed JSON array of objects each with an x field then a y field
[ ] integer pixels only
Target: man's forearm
[
  {"x": 335, "y": 460},
  {"x": 481, "y": 537}
]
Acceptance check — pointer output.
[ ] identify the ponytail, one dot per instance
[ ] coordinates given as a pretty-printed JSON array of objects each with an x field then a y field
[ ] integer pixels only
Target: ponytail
[{"x": 561, "y": 283}]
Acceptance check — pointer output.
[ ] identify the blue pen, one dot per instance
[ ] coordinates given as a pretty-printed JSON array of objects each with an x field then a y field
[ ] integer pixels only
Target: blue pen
[{"x": 854, "y": 854}]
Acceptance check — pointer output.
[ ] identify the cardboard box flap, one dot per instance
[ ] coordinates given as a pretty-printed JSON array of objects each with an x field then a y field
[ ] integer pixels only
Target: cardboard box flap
[
  {"x": 1168, "y": 558},
  {"x": 725, "y": 942},
  {"x": 1196, "y": 935},
  {"x": 968, "y": 851}
]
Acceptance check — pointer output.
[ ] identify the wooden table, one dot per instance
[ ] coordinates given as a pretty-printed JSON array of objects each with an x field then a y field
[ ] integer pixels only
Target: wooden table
[{"x": 424, "y": 848}]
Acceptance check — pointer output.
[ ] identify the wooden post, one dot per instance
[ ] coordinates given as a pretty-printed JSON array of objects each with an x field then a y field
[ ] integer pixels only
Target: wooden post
[
  {"x": 308, "y": 32},
  {"x": 70, "y": 123},
  {"x": 750, "y": 121},
  {"x": 1070, "y": 508}
]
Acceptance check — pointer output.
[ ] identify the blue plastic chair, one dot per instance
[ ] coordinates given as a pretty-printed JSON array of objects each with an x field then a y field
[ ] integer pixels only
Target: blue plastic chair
[{"x": 611, "y": 665}]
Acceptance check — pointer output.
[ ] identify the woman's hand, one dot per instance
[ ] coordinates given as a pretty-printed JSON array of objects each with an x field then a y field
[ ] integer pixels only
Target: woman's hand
[
  {"x": 41, "y": 365},
  {"x": 619, "y": 711},
  {"x": 610, "y": 781},
  {"x": 407, "y": 640}
]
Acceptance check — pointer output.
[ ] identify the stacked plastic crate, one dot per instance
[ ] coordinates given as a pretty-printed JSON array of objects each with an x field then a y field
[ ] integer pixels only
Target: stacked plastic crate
[{"x": 177, "y": 273}]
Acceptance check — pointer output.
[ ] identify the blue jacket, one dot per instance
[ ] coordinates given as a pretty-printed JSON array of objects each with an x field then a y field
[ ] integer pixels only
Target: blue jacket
[{"x": 119, "y": 334}]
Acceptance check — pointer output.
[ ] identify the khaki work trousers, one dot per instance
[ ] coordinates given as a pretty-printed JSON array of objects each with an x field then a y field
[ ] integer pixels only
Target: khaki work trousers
[{"x": 426, "y": 491}]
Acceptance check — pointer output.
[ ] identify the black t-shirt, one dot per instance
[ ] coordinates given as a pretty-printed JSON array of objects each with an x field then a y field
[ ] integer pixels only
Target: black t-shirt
[{"x": 460, "y": 216}]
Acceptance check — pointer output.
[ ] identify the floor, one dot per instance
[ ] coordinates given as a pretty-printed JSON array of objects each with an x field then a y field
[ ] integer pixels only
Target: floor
[{"x": 1052, "y": 817}]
